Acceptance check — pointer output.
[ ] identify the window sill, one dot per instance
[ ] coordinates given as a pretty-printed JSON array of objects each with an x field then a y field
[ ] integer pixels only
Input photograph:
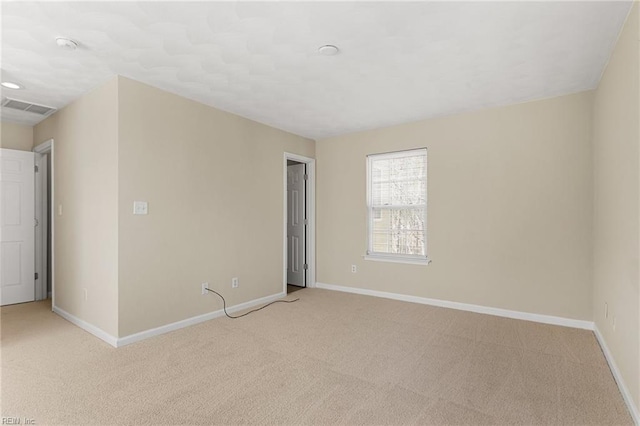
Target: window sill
[{"x": 394, "y": 259}]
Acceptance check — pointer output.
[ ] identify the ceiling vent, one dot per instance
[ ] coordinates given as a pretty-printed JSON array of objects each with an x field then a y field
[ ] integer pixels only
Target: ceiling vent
[{"x": 28, "y": 107}]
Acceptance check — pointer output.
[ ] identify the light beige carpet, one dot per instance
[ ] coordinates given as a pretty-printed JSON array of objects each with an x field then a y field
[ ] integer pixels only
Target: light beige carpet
[{"x": 331, "y": 358}]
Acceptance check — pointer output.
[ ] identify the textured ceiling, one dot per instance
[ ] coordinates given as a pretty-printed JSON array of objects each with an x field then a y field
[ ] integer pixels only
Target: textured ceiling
[{"x": 398, "y": 62}]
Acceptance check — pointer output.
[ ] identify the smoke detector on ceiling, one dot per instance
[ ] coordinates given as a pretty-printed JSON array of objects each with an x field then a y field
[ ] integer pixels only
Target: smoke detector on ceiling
[
  {"x": 328, "y": 50},
  {"x": 66, "y": 43}
]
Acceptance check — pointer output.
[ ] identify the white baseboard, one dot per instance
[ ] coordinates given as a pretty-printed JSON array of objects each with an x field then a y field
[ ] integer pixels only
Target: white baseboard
[
  {"x": 99, "y": 333},
  {"x": 546, "y": 319},
  {"x": 633, "y": 409},
  {"x": 127, "y": 340}
]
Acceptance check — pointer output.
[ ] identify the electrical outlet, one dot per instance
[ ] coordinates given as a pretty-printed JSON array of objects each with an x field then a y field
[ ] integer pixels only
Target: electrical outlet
[
  {"x": 204, "y": 288},
  {"x": 614, "y": 323},
  {"x": 235, "y": 282},
  {"x": 354, "y": 268},
  {"x": 85, "y": 294},
  {"x": 606, "y": 310}
]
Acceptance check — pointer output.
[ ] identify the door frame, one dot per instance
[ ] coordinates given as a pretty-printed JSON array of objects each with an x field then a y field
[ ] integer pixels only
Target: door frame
[
  {"x": 41, "y": 202},
  {"x": 40, "y": 150},
  {"x": 310, "y": 206}
]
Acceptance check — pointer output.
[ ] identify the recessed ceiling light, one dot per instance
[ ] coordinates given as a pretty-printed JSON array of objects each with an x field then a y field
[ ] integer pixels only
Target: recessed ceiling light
[
  {"x": 328, "y": 50},
  {"x": 11, "y": 85},
  {"x": 66, "y": 43}
]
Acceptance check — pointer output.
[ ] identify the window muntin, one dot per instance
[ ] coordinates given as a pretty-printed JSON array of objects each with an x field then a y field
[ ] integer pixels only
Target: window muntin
[{"x": 397, "y": 205}]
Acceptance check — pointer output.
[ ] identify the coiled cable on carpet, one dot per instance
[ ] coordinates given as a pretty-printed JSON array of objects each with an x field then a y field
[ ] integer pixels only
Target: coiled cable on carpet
[{"x": 224, "y": 305}]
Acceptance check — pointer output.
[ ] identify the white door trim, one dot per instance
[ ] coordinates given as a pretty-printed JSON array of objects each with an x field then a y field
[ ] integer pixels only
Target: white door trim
[
  {"x": 311, "y": 217},
  {"x": 47, "y": 147},
  {"x": 41, "y": 200}
]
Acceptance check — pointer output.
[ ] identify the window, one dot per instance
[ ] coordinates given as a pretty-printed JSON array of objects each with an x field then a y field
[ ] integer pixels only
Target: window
[
  {"x": 377, "y": 176},
  {"x": 397, "y": 206}
]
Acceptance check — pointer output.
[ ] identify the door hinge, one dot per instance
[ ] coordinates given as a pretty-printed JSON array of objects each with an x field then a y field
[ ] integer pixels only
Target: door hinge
[
  {"x": 36, "y": 275},
  {"x": 37, "y": 168},
  {"x": 306, "y": 176},
  {"x": 306, "y": 266},
  {"x": 306, "y": 222}
]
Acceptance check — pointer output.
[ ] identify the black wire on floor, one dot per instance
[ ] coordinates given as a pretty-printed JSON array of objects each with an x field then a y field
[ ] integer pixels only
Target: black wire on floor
[{"x": 224, "y": 304}]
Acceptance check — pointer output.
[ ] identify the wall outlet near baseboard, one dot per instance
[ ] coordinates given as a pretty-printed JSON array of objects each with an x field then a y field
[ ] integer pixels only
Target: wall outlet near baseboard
[
  {"x": 354, "y": 268},
  {"x": 205, "y": 286},
  {"x": 235, "y": 282},
  {"x": 606, "y": 310},
  {"x": 85, "y": 294}
]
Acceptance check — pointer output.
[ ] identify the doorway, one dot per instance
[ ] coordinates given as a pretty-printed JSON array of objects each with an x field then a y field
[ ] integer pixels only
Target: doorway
[
  {"x": 44, "y": 220},
  {"x": 26, "y": 224},
  {"x": 299, "y": 225},
  {"x": 296, "y": 224}
]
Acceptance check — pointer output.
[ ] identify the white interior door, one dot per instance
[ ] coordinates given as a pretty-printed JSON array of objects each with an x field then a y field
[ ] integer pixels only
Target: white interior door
[
  {"x": 17, "y": 227},
  {"x": 296, "y": 234}
]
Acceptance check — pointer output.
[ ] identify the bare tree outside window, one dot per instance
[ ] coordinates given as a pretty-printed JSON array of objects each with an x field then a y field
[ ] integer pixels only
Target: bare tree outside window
[{"x": 397, "y": 204}]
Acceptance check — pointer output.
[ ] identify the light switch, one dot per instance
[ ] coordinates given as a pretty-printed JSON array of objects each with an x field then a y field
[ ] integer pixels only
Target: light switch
[{"x": 140, "y": 207}]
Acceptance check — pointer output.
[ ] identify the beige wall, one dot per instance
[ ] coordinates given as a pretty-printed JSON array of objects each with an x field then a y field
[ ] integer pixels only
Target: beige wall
[
  {"x": 509, "y": 210},
  {"x": 214, "y": 184},
  {"x": 16, "y": 136},
  {"x": 86, "y": 184},
  {"x": 616, "y": 140}
]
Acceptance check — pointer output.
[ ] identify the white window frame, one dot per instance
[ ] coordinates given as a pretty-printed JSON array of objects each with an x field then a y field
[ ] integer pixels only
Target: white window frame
[{"x": 394, "y": 257}]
